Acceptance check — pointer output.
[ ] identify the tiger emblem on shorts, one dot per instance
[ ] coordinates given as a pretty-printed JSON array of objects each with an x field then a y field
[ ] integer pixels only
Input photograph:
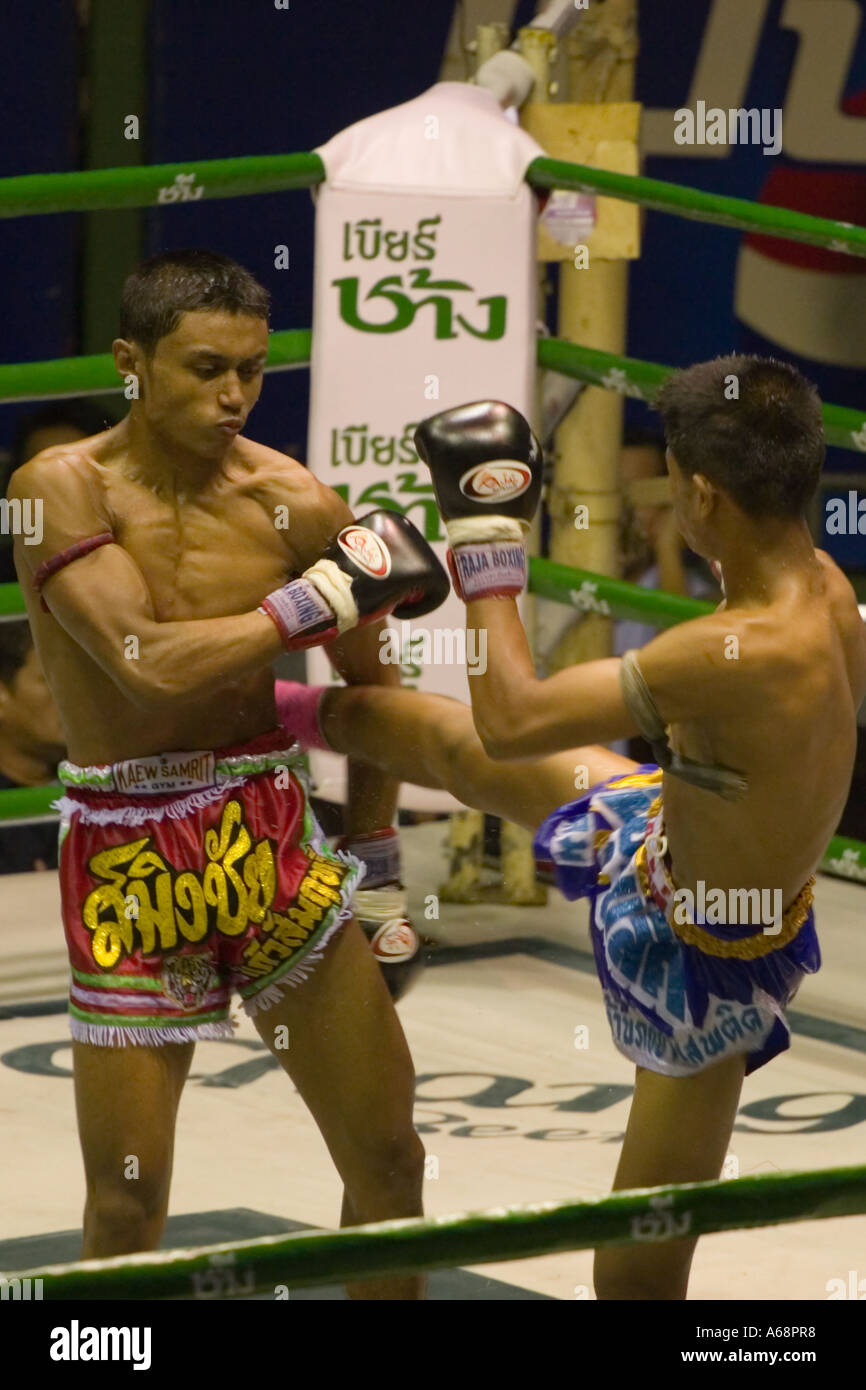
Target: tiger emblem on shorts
[{"x": 187, "y": 979}]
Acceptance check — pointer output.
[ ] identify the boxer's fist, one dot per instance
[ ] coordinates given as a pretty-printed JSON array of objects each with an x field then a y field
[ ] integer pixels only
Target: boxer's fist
[
  {"x": 380, "y": 905},
  {"x": 487, "y": 470},
  {"x": 377, "y": 565}
]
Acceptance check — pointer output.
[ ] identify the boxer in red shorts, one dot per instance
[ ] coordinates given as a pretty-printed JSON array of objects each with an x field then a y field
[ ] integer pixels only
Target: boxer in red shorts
[
  {"x": 155, "y": 949},
  {"x": 177, "y": 560}
]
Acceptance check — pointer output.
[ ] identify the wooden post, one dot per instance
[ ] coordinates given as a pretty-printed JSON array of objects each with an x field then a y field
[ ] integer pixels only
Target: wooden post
[
  {"x": 584, "y": 501},
  {"x": 490, "y": 38},
  {"x": 597, "y": 126}
]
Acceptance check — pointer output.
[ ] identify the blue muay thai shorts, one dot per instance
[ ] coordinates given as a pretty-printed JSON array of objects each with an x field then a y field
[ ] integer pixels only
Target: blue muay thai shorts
[{"x": 681, "y": 993}]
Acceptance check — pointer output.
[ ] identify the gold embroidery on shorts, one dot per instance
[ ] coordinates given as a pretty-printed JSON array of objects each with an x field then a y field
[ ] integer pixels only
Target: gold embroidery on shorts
[
  {"x": 634, "y": 779},
  {"x": 320, "y": 890},
  {"x": 747, "y": 947},
  {"x": 144, "y": 901}
]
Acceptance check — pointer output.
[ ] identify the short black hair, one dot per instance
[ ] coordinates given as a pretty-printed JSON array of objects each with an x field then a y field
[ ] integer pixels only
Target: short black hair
[
  {"x": 162, "y": 289},
  {"x": 762, "y": 440},
  {"x": 82, "y": 414},
  {"x": 16, "y": 640}
]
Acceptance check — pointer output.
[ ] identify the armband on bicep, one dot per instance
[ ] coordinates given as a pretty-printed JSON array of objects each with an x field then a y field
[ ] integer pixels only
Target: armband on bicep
[{"x": 48, "y": 568}]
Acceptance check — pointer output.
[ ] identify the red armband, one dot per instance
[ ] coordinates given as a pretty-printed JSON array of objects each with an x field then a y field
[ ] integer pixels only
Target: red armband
[{"x": 65, "y": 557}]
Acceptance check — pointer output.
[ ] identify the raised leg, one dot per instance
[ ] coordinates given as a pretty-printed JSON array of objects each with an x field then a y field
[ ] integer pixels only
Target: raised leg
[
  {"x": 127, "y": 1100},
  {"x": 430, "y": 740},
  {"x": 678, "y": 1131},
  {"x": 348, "y": 1058}
]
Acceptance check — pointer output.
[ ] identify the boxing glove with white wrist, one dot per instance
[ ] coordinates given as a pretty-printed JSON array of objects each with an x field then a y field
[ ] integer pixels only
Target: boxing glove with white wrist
[
  {"x": 378, "y": 565},
  {"x": 486, "y": 465}
]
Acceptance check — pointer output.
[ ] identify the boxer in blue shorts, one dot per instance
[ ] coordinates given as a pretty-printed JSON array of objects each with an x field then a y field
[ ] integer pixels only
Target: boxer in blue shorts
[{"x": 700, "y": 866}]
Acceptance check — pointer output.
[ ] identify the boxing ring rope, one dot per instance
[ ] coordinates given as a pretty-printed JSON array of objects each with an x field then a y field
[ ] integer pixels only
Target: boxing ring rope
[
  {"x": 468, "y": 1238},
  {"x": 844, "y": 426},
  {"x": 524, "y": 1231},
  {"x": 95, "y": 190},
  {"x": 96, "y": 375},
  {"x": 141, "y": 186}
]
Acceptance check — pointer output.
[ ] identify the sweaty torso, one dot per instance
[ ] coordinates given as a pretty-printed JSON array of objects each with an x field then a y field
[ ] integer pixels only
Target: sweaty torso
[
  {"x": 795, "y": 740},
  {"x": 212, "y": 552}
]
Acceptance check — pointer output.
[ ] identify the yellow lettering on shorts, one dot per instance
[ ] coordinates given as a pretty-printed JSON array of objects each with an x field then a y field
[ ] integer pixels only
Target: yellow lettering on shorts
[
  {"x": 288, "y": 931},
  {"x": 237, "y": 887}
]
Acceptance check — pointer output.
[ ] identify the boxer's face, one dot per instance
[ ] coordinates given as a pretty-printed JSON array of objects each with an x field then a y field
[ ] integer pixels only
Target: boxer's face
[{"x": 203, "y": 380}]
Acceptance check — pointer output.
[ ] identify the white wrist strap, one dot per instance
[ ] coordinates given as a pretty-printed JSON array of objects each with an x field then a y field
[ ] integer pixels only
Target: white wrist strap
[
  {"x": 335, "y": 586},
  {"x": 474, "y": 530},
  {"x": 380, "y": 904}
]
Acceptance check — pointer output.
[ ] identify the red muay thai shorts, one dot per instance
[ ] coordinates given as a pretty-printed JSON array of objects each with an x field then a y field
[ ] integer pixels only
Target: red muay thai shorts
[{"x": 186, "y": 875}]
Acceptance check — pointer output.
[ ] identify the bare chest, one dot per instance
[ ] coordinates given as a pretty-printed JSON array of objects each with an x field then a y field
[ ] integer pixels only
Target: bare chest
[{"x": 204, "y": 557}]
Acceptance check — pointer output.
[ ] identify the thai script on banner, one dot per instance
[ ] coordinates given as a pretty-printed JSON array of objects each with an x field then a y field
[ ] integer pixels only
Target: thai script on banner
[{"x": 425, "y": 290}]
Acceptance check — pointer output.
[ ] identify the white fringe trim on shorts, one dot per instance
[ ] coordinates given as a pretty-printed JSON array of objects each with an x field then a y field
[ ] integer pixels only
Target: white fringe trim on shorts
[
  {"x": 272, "y": 994},
  {"x": 138, "y": 814},
  {"x": 114, "y": 1035}
]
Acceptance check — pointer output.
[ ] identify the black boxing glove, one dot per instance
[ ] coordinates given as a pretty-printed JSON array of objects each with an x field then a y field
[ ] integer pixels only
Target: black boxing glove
[
  {"x": 487, "y": 466},
  {"x": 381, "y": 907},
  {"x": 377, "y": 565}
]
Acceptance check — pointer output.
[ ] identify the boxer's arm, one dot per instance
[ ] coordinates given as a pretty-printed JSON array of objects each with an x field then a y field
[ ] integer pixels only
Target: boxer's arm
[
  {"x": 519, "y": 716},
  {"x": 103, "y": 603},
  {"x": 371, "y": 795}
]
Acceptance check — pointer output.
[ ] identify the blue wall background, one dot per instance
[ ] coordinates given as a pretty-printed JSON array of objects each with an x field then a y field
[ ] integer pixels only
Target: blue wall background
[
  {"x": 681, "y": 292},
  {"x": 38, "y": 132}
]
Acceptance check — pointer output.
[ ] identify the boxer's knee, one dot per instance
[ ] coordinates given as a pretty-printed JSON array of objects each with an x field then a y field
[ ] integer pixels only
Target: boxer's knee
[
  {"x": 122, "y": 1220},
  {"x": 459, "y": 751},
  {"x": 337, "y": 706},
  {"x": 386, "y": 1175}
]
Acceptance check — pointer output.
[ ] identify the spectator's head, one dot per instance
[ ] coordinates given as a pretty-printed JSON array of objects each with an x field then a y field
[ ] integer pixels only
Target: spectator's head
[
  {"x": 194, "y": 333},
  {"x": 61, "y": 422},
  {"x": 746, "y": 430},
  {"x": 29, "y": 722},
  {"x": 642, "y": 456}
]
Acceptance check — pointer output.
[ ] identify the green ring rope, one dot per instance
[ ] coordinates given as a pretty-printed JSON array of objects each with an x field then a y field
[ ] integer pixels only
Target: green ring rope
[
  {"x": 469, "y": 1238},
  {"x": 629, "y": 376},
  {"x": 97, "y": 374},
  {"x": 95, "y": 190},
  {"x": 681, "y": 201},
  {"x": 139, "y": 186},
  {"x": 612, "y": 598},
  {"x": 28, "y": 803}
]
